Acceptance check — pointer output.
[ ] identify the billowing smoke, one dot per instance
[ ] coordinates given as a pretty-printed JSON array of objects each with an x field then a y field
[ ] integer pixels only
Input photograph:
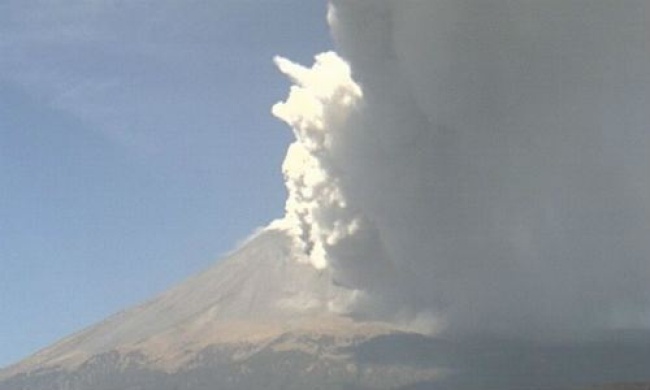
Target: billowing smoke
[{"x": 482, "y": 164}]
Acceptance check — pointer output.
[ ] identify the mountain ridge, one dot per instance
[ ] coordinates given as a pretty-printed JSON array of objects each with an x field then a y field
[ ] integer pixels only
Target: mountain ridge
[
  {"x": 265, "y": 318},
  {"x": 266, "y": 281}
]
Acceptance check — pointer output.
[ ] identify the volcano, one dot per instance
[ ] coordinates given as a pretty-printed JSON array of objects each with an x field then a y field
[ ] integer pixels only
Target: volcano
[
  {"x": 261, "y": 318},
  {"x": 467, "y": 209},
  {"x": 264, "y": 318}
]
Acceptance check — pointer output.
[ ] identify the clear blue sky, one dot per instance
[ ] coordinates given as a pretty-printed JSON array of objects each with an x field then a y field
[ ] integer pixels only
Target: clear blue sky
[{"x": 136, "y": 146}]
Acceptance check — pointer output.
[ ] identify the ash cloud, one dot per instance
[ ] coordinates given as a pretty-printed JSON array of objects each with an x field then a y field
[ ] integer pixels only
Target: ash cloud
[{"x": 481, "y": 164}]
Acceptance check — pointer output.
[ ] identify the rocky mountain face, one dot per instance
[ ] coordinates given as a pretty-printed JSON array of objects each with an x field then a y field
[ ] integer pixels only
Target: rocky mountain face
[{"x": 263, "y": 318}]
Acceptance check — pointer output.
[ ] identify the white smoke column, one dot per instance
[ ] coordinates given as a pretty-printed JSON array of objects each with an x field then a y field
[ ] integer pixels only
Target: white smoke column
[
  {"x": 495, "y": 170},
  {"x": 333, "y": 232},
  {"x": 316, "y": 209}
]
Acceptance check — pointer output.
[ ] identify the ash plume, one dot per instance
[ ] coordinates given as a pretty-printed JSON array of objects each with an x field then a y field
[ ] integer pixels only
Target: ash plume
[{"x": 478, "y": 164}]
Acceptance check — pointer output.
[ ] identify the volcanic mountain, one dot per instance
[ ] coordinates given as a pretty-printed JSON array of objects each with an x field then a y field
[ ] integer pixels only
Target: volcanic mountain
[
  {"x": 264, "y": 318},
  {"x": 478, "y": 164},
  {"x": 261, "y": 318}
]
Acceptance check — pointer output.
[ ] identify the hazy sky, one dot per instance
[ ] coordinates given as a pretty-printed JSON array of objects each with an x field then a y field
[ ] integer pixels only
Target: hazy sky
[{"x": 136, "y": 146}]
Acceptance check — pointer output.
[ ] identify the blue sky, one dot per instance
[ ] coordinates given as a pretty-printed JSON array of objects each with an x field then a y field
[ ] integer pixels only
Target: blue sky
[{"x": 136, "y": 147}]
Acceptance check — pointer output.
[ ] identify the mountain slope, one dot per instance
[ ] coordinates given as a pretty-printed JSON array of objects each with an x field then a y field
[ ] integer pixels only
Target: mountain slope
[
  {"x": 262, "y": 319},
  {"x": 255, "y": 317},
  {"x": 265, "y": 282}
]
